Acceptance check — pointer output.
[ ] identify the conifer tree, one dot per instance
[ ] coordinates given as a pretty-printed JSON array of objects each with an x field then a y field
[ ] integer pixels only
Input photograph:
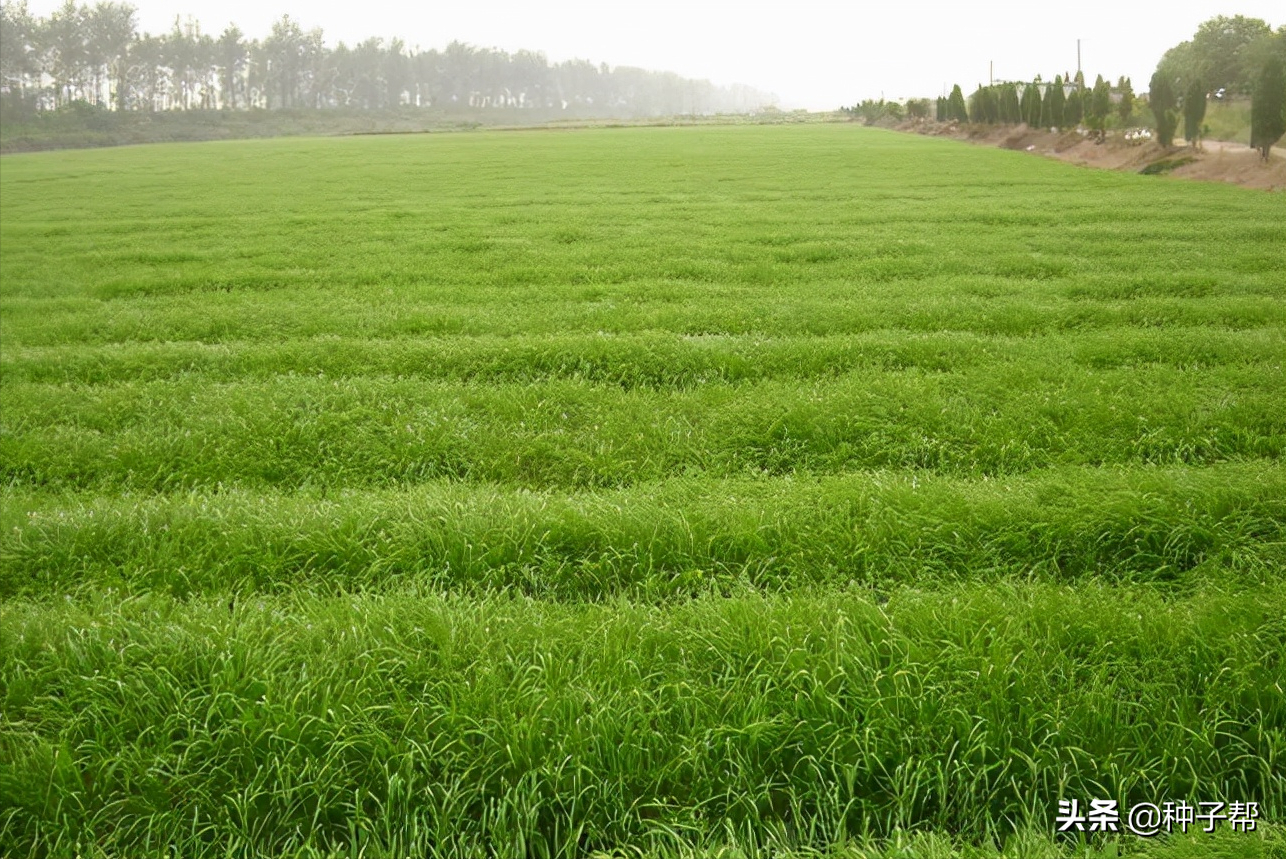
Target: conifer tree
[
  {"x": 1055, "y": 103},
  {"x": 1072, "y": 109},
  {"x": 956, "y": 110},
  {"x": 1162, "y": 102},
  {"x": 1100, "y": 105},
  {"x": 1031, "y": 105},
  {"x": 1125, "y": 109},
  {"x": 1268, "y": 107},
  {"x": 1194, "y": 111},
  {"x": 978, "y": 105},
  {"x": 984, "y": 105},
  {"x": 1011, "y": 111}
]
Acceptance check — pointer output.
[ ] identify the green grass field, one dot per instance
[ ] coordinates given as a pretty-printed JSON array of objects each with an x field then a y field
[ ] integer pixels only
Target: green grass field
[{"x": 723, "y": 491}]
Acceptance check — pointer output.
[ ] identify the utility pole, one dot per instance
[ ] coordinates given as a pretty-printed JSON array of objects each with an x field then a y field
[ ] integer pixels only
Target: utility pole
[{"x": 991, "y": 72}]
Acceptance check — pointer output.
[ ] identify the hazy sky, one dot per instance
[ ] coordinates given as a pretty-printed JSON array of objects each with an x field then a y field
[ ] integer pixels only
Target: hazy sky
[{"x": 818, "y": 55}]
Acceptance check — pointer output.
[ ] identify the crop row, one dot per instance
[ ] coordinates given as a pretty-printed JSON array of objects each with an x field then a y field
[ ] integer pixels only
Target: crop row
[
  {"x": 296, "y": 431},
  {"x": 1174, "y": 525},
  {"x": 642, "y": 359},
  {"x": 386, "y": 724},
  {"x": 213, "y": 316}
]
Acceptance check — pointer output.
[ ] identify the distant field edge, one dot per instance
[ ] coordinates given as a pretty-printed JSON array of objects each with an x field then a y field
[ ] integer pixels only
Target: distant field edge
[{"x": 58, "y": 133}]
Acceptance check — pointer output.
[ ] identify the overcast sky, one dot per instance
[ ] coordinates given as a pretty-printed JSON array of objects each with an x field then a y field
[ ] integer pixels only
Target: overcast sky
[{"x": 818, "y": 55}]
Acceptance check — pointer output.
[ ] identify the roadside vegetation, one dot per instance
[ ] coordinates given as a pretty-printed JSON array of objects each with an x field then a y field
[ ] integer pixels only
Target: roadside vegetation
[
  {"x": 675, "y": 491},
  {"x": 1230, "y": 62}
]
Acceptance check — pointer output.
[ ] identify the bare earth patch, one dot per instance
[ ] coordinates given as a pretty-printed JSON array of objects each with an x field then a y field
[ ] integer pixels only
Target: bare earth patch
[{"x": 1215, "y": 161}]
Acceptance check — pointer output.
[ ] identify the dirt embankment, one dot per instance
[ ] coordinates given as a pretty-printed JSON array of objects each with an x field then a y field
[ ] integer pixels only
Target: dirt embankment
[{"x": 1215, "y": 161}]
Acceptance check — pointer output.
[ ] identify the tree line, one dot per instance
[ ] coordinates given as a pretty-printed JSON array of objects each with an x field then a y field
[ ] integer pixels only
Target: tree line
[
  {"x": 1061, "y": 103},
  {"x": 96, "y": 56},
  {"x": 1227, "y": 58}
]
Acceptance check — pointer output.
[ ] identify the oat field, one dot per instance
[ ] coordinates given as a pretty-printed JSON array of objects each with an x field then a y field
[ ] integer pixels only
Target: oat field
[{"x": 725, "y": 491}]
